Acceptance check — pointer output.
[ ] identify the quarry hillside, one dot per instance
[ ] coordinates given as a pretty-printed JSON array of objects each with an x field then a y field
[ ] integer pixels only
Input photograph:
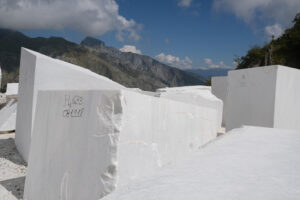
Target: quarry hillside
[{"x": 128, "y": 69}]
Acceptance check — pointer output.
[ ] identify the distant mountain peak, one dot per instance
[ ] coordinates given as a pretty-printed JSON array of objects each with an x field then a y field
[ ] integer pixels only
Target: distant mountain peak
[
  {"x": 128, "y": 69},
  {"x": 92, "y": 42}
]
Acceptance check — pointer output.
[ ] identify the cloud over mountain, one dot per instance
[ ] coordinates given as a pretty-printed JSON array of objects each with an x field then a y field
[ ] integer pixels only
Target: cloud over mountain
[
  {"x": 174, "y": 61},
  {"x": 90, "y": 17},
  {"x": 211, "y": 65},
  {"x": 130, "y": 48}
]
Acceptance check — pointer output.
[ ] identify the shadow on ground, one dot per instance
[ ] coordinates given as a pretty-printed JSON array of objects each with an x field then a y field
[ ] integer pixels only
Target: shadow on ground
[
  {"x": 8, "y": 151},
  {"x": 15, "y": 186}
]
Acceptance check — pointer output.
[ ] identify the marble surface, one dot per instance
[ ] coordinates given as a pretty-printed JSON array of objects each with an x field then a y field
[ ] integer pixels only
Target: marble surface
[{"x": 40, "y": 72}]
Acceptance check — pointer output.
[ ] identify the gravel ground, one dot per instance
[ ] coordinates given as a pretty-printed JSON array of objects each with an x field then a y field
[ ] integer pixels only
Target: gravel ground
[{"x": 12, "y": 169}]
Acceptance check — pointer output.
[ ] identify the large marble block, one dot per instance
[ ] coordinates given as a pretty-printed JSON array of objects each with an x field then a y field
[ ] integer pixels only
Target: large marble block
[
  {"x": 246, "y": 163},
  {"x": 264, "y": 96},
  {"x": 41, "y": 72},
  {"x": 196, "y": 95},
  {"x": 219, "y": 89},
  {"x": 158, "y": 131},
  {"x": 74, "y": 145},
  {"x": 84, "y": 141}
]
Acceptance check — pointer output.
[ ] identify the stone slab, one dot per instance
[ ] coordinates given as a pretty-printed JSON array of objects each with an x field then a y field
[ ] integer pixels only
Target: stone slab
[
  {"x": 126, "y": 133},
  {"x": 245, "y": 164},
  {"x": 12, "y": 89},
  {"x": 74, "y": 145},
  {"x": 251, "y": 97},
  {"x": 159, "y": 131},
  {"x": 38, "y": 72},
  {"x": 263, "y": 96},
  {"x": 196, "y": 95}
]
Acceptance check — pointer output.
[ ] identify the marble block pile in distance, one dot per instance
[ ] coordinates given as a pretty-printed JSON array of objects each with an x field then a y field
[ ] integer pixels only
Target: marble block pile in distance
[{"x": 88, "y": 134}]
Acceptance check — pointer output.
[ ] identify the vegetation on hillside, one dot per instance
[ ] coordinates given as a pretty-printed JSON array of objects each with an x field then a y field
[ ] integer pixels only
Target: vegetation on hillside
[{"x": 282, "y": 51}]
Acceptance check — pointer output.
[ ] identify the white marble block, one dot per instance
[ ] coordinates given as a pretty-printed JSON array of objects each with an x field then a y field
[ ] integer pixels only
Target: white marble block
[
  {"x": 84, "y": 141},
  {"x": 74, "y": 145},
  {"x": 38, "y": 72},
  {"x": 158, "y": 131},
  {"x": 264, "y": 96},
  {"x": 248, "y": 163},
  {"x": 12, "y": 89},
  {"x": 219, "y": 89},
  {"x": 196, "y": 95}
]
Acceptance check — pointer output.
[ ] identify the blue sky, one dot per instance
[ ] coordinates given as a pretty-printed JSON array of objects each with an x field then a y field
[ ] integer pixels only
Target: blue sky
[{"x": 182, "y": 33}]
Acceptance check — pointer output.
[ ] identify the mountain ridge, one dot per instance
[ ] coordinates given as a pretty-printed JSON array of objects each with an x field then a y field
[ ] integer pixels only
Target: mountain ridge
[
  {"x": 128, "y": 69},
  {"x": 208, "y": 73}
]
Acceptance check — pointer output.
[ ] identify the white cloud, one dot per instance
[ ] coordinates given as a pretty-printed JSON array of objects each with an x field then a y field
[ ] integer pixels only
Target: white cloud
[
  {"x": 184, "y": 3},
  {"x": 130, "y": 48},
  {"x": 274, "y": 30},
  {"x": 280, "y": 12},
  {"x": 174, "y": 61},
  {"x": 211, "y": 65},
  {"x": 235, "y": 63},
  {"x": 208, "y": 61},
  {"x": 91, "y": 17}
]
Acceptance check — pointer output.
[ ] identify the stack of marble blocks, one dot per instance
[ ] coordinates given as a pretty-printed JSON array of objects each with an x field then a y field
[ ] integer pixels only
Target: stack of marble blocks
[
  {"x": 83, "y": 134},
  {"x": 261, "y": 96}
]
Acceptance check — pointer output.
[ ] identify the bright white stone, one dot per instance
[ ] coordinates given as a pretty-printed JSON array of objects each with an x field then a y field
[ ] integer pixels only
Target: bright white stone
[
  {"x": 74, "y": 145},
  {"x": 12, "y": 89},
  {"x": 244, "y": 164},
  {"x": 41, "y": 72},
  {"x": 8, "y": 116},
  {"x": 196, "y": 95},
  {"x": 158, "y": 131},
  {"x": 264, "y": 96},
  {"x": 219, "y": 88},
  {"x": 79, "y": 148}
]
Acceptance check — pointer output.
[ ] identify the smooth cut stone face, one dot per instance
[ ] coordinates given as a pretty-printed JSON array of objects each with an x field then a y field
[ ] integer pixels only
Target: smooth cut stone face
[
  {"x": 40, "y": 72},
  {"x": 263, "y": 96},
  {"x": 74, "y": 145}
]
